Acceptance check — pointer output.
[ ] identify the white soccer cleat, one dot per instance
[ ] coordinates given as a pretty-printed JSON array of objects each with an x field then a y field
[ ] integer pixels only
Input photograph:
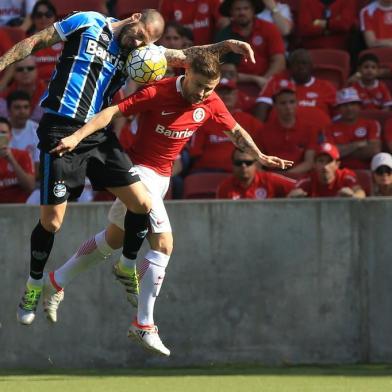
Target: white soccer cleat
[
  {"x": 25, "y": 313},
  {"x": 130, "y": 281},
  {"x": 51, "y": 298},
  {"x": 147, "y": 336}
]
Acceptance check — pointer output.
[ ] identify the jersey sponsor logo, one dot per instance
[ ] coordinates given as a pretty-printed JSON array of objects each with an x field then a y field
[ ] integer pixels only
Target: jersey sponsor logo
[
  {"x": 164, "y": 113},
  {"x": 199, "y": 24},
  {"x": 360, "y": 132},
  {"x": 199, "y": 114},
  {"x": 95, "y": 49},
  {"x": 257, "y": 40},
  {"x": 203, "y": 8},
  {"x": 59, "y": 189},
  {"x": 310, "y": 103},
  {"x": 261, "y": 193},
  {"x": 177, "y": 15},
  {"x": 187, "y": 133}
]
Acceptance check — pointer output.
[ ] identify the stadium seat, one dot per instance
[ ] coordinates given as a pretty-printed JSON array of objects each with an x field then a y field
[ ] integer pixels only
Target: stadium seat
[
  {"x": 202, "y": 185},
  {"x": 124, "y": 8},
  {"x": 365, "y": 180},
  {"x": 332, "y": 59},
  {"x": 65, "y": 7},
  {"x": 333, "y": 74},
  {"x": 383, "y": 54}
]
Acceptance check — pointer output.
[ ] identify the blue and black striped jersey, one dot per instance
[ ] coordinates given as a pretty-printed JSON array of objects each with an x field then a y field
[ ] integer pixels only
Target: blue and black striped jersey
[{"x": 90, "y": 69}]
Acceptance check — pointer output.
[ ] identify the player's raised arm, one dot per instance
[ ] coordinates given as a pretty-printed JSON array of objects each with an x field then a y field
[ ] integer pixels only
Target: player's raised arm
[
  {"x": 24, "y": 48},
  {"x": 99, "y": 121},
  {"x": 182, "y": 58},
  {"x": 244, "y": 141}
]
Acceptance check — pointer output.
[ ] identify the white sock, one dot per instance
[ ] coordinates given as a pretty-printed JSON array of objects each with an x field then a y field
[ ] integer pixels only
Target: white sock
[
  {"x": 90, "y": 253},
  {"x": 151, "y": 273},
  {"x": 126, "y": 264},
  {"x": 34, "y": 282}
]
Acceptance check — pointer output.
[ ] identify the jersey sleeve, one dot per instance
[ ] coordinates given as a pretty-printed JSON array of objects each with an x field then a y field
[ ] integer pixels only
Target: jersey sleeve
[
  {"x": 265, "y": 95},
  {"x": 275, "y": 41},
  {"x": 141, "y": 101},
  {"x": 349, "y": 179},
  {"x": 221, "y": 115},
  {"x": 374, "y": 130},
  {"x": 76, "y": 21},
  {"x": 365, "y": 21},
  {"x": 25, "y": 162}
]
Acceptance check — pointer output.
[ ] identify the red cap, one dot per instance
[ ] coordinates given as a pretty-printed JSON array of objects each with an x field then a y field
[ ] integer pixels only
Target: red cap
[
  {"x": 227, "y": 83},
  {"x": 283, "y": 85},
  {"x": 329, "y": 149}
]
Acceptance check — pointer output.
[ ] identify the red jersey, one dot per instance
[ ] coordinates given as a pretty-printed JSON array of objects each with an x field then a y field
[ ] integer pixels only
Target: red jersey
[
  {"x": 167, "y": 121},
  {"x": 314, "y": 188},
  {"x": 378, "y": 19},
  {"x": 342, "y": 133},
  {"x": 198, "y": 15},
  {"x": 288, "y": 143},
  {"x": 316, "y": 93},
  {"x": 373, "y": 97},
  {"x": 341, "y": 15},
  {"x": 266, "y": 41},
  {"x": 213, "y": 148},
  {"x": 265, "y": 185},
  {"x": 10, "y": 190},
  {"x": 46, "y": 60}
]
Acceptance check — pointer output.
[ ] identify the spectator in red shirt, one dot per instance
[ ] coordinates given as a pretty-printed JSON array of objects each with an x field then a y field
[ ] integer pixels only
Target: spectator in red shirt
[
  {"x": 264, "y": 37},
  {"x": 16, "y": 169},
  {"x": 374, "y": 93},
  {"x": 201, "y": 16},
  {"x": 247, "y": 182},
  {"x": 376, "y": 23},
  {"x": 326, "y": 23},
  {"x": 381, "y": 167},
  {"x": 44, "y": 14},
  {"x": 311, "y": 91},
  {"x": 211, "y": 149},
  {"x": 358, "y": 139},
  {"x": 290, "y": 133},
  {"x": 326, "y": 179}
]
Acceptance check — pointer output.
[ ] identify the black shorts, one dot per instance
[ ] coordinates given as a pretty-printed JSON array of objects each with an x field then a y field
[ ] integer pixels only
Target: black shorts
[{"x": 100, "y": 158}]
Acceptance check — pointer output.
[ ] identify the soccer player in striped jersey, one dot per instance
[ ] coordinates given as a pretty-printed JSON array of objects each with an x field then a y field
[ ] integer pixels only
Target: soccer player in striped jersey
[
  {"x": 89, "y": 71},
  {"x": 170, "y": 111}
]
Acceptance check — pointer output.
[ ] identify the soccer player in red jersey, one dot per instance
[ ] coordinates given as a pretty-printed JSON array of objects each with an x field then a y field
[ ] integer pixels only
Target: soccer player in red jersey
[
  {"x": 373, "y": 92},
  {"x": 171, "y": 111},
  {"x": 326, "y": 179},
  {"x": 247, "y": 182},
  {"x": 376, "y": 24},
  {"x": 358, "y": 139}
]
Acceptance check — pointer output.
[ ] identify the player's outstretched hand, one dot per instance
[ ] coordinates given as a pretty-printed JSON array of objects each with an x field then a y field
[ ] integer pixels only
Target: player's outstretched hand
[
  {"x": 66, "y": 144},
  {"x": 243, "y": 48},
  {"x": 276, "y": 162}
]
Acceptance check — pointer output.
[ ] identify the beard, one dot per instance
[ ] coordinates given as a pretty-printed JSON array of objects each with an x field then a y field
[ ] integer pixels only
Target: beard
[{"x": 126, "y": 38}]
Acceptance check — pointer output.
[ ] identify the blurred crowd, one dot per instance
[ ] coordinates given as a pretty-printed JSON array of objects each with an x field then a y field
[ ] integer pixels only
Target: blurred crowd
[{"x": 319, "y": 94}]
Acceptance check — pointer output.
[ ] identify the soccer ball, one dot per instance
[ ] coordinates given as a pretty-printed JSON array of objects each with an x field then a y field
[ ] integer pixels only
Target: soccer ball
[{"x": 146, "y": 64}]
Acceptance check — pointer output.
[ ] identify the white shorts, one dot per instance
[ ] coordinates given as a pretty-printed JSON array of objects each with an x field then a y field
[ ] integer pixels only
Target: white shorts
[{"x": 157, "y": 187}]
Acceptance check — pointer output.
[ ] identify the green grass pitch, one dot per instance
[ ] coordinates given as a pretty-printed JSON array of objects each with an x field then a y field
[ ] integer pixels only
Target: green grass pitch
[{"x": 359, "y": 378}]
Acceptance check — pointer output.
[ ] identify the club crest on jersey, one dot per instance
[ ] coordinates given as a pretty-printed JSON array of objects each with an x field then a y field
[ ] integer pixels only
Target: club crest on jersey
[
  {"x": 360, "y": 132},
  {"x": 59, "y": 189},
  {"x": 261, "y": 193},
  {"x": 199, "y": 114}
]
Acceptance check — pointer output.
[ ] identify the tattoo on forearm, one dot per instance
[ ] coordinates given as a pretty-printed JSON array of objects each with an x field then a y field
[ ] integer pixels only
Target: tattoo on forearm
[
  {"x": 22, "y": 49},
  {"x": 244, "y": 142}
]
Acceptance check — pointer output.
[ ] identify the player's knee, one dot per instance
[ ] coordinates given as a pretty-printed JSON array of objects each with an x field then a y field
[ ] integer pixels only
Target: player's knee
[
  {"x": 164, "y": 245},
  {"x": 143, "y": 206},
  {"x": 52, "y": 224}
]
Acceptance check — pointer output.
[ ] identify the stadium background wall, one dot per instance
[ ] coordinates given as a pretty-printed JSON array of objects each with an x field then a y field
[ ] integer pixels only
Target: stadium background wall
[{"x": 276, "y": 282}]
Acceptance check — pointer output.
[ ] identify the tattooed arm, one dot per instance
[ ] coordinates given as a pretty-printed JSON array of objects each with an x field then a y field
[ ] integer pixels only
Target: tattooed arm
[
  {"x": 242, "y": 140},
  {"x": 181, "y": 58},
  {"x": 24, "y": 48}
]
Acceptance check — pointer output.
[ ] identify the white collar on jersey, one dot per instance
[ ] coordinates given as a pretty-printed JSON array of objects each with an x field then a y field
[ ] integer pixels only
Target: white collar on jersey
[{"x": 179, "y": 85}]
